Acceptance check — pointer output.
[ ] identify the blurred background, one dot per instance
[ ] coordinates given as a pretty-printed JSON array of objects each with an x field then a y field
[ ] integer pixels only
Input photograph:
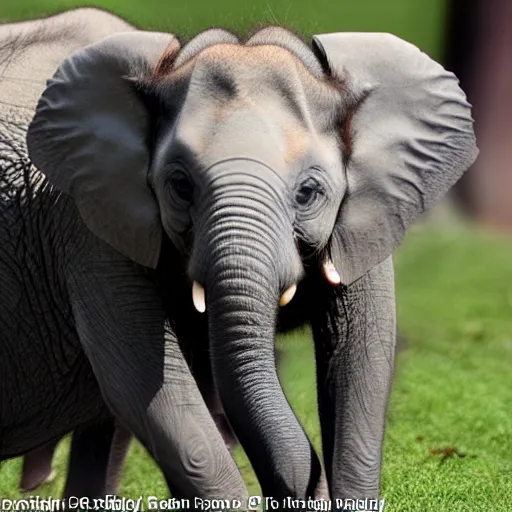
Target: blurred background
[{"x": 449, "y": 437}]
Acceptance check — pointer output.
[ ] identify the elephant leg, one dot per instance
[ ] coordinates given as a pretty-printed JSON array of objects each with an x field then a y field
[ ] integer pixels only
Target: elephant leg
[
  {"x": 354, "y": 331},
  {"x": 37, "y": 467},
  {"x": 200, "y": 364},
  {"x": 88, "y": 460},
  {"x": 118, "y": 452},
  {"x": 145, "y": 380},
  {"x": 214, "y": 405}
]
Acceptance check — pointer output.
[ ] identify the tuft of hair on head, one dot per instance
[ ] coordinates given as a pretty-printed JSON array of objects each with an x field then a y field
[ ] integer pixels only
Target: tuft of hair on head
[
  {"x": 275, "y": 35},
  {"x": 351, "y": 99},
  {"x": 351, "y": 96},
  {"x": 146, "y": 79},
  {"x": 203, "y": 40},
  {"x": 166, "y": 62}
]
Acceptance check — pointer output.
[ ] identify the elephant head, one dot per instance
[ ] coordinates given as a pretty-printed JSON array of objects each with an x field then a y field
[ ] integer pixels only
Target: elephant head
[{"x": 252, "y": 158}]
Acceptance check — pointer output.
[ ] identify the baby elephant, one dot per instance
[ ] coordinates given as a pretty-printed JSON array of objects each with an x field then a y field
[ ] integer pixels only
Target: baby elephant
[{"x": 266, "y": 181}]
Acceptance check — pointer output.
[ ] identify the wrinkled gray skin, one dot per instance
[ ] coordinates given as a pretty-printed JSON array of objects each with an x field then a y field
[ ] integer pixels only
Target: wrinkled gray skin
[
  {"x": 35, "y": 307},
  {"x": 103, "y": 473},
  {"x": 246, "y": 168},
  {"x": 103, "y": 470},
  {"x": 97, "y": 458}
]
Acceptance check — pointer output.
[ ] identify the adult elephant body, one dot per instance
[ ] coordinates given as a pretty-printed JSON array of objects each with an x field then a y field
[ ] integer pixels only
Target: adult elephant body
[
  {"x": 48, "y": 387},
  {"x": 233, "y": 176}
]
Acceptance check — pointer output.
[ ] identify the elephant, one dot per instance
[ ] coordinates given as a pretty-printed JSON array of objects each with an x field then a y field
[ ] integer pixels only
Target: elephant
[
  {"x": 31, "y": 313},
  {"x": 226, "y": 190}
]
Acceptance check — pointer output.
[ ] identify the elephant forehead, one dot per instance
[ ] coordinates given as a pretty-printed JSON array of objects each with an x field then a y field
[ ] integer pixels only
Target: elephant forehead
[
  {"x": 257, "y": 101},
  {"x": 241, "y": 56},
  {"x": 234, "y": 72},
  {"x": 251, "y": 131}
]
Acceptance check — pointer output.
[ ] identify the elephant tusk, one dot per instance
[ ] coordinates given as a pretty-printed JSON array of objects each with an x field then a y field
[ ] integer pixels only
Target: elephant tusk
[
  {"x": 288, "y": 295},
  {"x": 198, "y": 297},
  {"x": 330, "y": 273}
]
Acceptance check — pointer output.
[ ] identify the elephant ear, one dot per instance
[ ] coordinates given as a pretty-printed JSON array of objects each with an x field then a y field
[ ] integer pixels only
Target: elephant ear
[
  {"x": 411, "y": 138},
  {"x": 90, "y": 137}
]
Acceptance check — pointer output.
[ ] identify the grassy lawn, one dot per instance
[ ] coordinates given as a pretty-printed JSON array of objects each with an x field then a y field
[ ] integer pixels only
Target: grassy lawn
[
  {"x": 452, "y": 390},
  {"x": 420, "y": 22}
]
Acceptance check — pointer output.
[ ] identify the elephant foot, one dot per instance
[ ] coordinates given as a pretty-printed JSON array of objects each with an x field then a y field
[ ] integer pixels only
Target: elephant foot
[
  {"x": 37, "y": 467},
  {"x": 322, "y": 489},
  {"x": 34, "y": 481}
]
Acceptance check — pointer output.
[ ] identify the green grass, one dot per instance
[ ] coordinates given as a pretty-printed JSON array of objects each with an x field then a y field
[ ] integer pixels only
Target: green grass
[
  {"x": 453, "y": 379},
  {"x": 452, "y": 385},
  {"x": 420, "y": 22}
]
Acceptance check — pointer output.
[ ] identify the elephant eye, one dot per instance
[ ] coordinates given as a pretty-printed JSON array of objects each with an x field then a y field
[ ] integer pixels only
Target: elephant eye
[
  {"x": 181, "y": 186},
  {"x": 307, "y": 192}
]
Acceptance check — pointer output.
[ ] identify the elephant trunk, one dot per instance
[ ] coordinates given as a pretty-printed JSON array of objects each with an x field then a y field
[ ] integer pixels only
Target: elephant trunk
[
  {"x": 242, "y": 347},
  {"x": 252, "y": 260}
]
